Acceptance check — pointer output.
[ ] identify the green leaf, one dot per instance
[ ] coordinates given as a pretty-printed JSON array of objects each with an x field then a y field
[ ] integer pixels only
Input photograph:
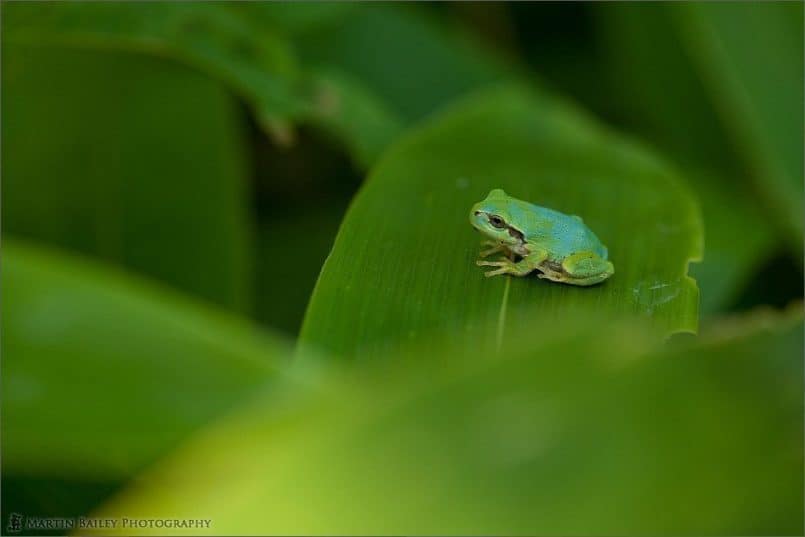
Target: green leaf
[
  {"x": 258, "y": 65},
  {"x": 246, "y": 47},
  {"x": 763, "y": 120},
  {"x": 354, "y": 115},
  {"x": 635, "y": 39},
  {"x": 576, "y": 430},
  {"x": 403, "y": 57},
  {"x": 403, "y": 264},
  {"x": 349, "y": 83},
  {"x": 737, "y": 239},
  {"x": 136, "y": 160},
  {"x": 735, "y": 123},
  {"x": 652, "y": 97},
  {"x": 102, "y": 373},
  {"x": 295, "y": 19}
]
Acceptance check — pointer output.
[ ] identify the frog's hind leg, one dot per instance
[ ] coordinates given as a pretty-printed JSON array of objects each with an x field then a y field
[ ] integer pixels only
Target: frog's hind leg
[{"x": 586, "y": 268}]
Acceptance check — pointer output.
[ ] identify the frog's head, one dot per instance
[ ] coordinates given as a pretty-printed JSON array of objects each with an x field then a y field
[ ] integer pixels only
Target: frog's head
[{"x": 492, "y": 218}]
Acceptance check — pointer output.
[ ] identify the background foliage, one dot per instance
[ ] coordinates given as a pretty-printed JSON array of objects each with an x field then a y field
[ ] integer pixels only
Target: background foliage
[{"x": 235, "y": 238}]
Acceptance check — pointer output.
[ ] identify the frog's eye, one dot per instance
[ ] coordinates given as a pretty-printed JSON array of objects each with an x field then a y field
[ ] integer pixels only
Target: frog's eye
[{"x": 497, "y": 221}]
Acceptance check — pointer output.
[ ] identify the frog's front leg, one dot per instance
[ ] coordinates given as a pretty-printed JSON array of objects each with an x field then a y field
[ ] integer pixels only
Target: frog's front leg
[
  {"x": 494, "y": 247},
  {"x": 526, "y": 265}
]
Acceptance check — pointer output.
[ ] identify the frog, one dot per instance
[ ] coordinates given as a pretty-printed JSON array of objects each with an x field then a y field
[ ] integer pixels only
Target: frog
[{"x": 533, "y": 238}]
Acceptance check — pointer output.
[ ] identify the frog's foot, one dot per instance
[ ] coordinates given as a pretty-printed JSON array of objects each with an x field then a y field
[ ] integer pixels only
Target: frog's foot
[
  {"x": 495, "y": 248},
  {"x": 508, "y": 265},
  {"x": 504, "y": 267},
  {"x": 586, "y": 268}
]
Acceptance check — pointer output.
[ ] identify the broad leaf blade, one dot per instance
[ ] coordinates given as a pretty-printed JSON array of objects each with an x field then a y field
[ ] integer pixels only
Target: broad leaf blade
[
  {"x": 103, "y": 373},
  {"x": 580, "y": 431},
  {"x": 403, "y": 262}
]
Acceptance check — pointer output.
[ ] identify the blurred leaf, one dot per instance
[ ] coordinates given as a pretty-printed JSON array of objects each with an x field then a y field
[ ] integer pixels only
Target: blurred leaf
[
  {"x": 661, "y": 95},
  {"x": 578, "y": 430},
  {"x": 669, "y": 65},
  {"x": 373, "y": 68},
  {"x": 246, "y": 46},
  {"x": 257, "y": 65},
  {"x": 102, "y": 373},
  {"x": 737, "y": 240},
  {"x": 664, "y": 99},
  {"x": 778, "y": 282},
  {"x": 403, "y": 57},
  {"x": 296, "y": 19},
  {"x": 756, "y": 87},
  {"x": 350, "y": 82},
  {"x": 354, "y": 115},
  {"x": 134, "y": 159},
  {"x": 403, "y": 264}
]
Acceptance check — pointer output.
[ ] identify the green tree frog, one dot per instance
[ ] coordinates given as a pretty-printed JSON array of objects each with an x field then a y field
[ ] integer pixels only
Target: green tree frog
[{"x": 561, "y": 247}]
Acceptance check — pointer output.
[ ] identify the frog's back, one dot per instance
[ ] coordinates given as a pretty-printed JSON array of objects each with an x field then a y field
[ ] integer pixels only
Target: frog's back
[{"x": 560, "y": 233}]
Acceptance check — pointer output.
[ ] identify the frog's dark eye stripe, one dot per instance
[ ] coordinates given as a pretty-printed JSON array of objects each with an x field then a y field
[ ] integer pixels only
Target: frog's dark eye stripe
[
  {"x": 516, "y": 234},
  {"x": 496, "y": 221}
]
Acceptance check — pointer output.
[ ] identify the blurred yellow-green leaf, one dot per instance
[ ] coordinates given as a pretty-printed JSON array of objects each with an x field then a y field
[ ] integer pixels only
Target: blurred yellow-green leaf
[
  {"x": 403, "y": 264},
  {"x": 102, "y": 372},
  {"x": 578, "y": 430}
]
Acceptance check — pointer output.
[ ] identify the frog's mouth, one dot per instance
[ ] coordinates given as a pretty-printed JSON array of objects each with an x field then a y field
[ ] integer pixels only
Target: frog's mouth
[{"x": 475, "y": 220}]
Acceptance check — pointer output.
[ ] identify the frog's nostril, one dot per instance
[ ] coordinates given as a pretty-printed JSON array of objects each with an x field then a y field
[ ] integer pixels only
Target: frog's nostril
[{"x": 477, "y": 213}]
